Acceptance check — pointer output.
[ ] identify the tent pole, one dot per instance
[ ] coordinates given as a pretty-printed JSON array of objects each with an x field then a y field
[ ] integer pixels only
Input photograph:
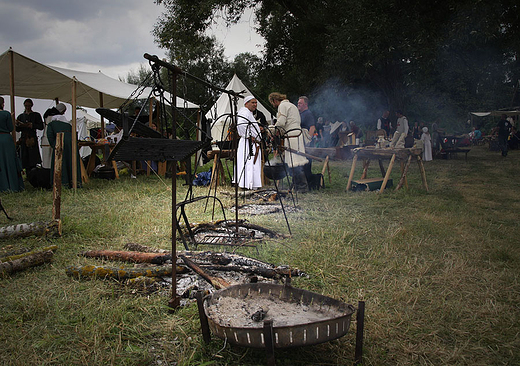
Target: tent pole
[
  {"x": 11, "y": 78},
  {"x": 74, "y": 137},
  {"x": 102, "y": 119}
]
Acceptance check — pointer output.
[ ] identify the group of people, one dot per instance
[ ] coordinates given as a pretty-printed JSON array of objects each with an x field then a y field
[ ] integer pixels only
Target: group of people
[
  {"x": 24, "y": 154},
  {"x": 294, "y": 126}
]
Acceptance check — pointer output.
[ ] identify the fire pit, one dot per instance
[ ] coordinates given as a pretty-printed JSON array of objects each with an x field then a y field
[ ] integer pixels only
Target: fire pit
[{"x": 298, "y": 317}]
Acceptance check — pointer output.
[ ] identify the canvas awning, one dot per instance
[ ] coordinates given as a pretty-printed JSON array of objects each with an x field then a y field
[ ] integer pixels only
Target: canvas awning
[
  {"x": 496, "y": 113},
  {"x": 94, "y": 89}
]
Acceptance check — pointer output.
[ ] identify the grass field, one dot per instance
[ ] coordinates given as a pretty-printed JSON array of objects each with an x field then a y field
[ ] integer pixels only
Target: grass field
[{"x": 439, "y": 271}]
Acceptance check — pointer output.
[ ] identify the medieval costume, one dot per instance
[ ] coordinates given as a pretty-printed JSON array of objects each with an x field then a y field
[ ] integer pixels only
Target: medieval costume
[
  {"x": 249, "y": 152},
  {"x": 60, "y": 124},
  {"x": 10, "y": 167},
  {"x": 427, "y": 144},
  {"x": 27, "y": 123}
]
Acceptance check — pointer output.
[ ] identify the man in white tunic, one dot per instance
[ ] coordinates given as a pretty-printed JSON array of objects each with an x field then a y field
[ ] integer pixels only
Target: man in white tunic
[
  {"x": 288, "y": 125},
  {"x": 249, "y": 153}
]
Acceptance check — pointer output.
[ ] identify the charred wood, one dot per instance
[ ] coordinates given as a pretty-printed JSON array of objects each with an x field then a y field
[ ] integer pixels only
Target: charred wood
[{"x": 102, "y": 272}]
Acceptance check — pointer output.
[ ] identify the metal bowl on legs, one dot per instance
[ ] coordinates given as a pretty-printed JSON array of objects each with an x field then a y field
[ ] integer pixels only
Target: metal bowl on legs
[{"x": 299, "y": 317}]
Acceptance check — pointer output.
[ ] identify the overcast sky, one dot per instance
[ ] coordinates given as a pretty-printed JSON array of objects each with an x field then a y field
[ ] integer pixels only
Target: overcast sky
[{"x": 93, "y": 35}]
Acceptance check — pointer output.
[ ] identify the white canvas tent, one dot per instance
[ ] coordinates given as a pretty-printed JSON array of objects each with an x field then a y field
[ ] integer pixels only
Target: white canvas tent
[
  {"x": 220, "y": 113},
  {"x": 93, "y": 89}
]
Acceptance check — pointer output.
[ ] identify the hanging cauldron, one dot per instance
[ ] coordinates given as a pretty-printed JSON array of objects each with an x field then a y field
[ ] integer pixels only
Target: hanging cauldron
[{"x": 275, "y": 171}]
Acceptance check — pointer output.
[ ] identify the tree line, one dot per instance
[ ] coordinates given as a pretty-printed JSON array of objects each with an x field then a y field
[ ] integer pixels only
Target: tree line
[{"x": 435, "y": 60}]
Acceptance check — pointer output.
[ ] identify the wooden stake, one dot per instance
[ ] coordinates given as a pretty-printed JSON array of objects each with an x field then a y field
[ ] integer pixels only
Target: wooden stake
[{"x": 56, "y": 192}]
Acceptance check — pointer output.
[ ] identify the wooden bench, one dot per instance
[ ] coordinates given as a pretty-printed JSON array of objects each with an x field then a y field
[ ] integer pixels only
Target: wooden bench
[{"x": 448, "y": 153}]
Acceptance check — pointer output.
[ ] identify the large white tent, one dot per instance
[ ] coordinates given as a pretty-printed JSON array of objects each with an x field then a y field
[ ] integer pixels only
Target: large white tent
[{"x": 220, "y": 113}]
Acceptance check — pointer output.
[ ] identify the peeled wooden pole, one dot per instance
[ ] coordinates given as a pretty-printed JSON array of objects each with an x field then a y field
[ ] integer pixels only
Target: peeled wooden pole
[{"x": 423, "y": 173}]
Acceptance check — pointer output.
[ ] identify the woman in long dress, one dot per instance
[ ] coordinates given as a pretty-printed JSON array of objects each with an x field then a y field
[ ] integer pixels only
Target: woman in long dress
[
  {"x": 427, "y": 145},
  {"x": 59, "y": 123},
  {"x": 249, "y": 152},
  {"x": 10, "y": 166}
]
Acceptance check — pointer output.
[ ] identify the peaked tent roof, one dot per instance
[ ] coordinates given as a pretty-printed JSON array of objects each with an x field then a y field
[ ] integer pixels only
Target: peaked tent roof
[
  {"x": 35, "y": 80},
  {"x": 221, "y": 107}
]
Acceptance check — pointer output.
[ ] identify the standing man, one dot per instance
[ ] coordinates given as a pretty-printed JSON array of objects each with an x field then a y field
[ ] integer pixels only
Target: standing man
[
  {"x": 402, "y": 123},
  {"x": 504, "y": 129},
  {"x": 249, "y": 152},
  {"x": 307, "y": 119},
  {"x": 27, "y": 123},
  {"x": 288, "y": 126},
  {"x": 383, "y": 123}
]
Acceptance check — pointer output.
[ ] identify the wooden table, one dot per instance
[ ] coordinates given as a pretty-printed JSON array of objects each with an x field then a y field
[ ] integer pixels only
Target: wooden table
[
  {"x": 402, "y": 155},
  {"x": 92, "y": 160}
]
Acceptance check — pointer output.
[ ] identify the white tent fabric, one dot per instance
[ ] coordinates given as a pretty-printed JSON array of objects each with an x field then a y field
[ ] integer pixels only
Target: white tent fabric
[
  {"x": 496, "y": 113},
  {"x": 35, "y": 80},
  {"x": 220, "y": 113}
]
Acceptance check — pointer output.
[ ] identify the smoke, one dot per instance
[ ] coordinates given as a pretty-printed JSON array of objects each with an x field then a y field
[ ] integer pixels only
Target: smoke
[{"x": 335, "y": 101}]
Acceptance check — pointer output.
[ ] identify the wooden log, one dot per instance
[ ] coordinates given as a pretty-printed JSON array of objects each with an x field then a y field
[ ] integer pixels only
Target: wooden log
[
  {"x": 103, "y": 272},
  {"x": 51, "y": 229},
  {"x": 33, "y": 260},
  {"x": 277, "y": 272},
  {"x": 217, "y": 282},
  {"x": 21, "y": 255},
  {"x": 135, "y": 257},
  {"x": 135, "y": 247},
  {"x": 387, "y": 176}
]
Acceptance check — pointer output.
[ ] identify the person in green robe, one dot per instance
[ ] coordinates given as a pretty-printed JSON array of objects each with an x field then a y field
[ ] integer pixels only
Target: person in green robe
[
  {"x": 59, "y": 123},
  {"x": 10, "y": 166}
]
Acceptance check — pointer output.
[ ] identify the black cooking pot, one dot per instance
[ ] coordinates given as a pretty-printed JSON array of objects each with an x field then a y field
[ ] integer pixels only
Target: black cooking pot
[{"x": 275, "y": 171}]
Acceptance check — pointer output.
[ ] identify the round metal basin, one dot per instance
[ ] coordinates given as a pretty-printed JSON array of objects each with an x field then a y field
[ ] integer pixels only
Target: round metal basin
[{"x": 299, "y": 317}]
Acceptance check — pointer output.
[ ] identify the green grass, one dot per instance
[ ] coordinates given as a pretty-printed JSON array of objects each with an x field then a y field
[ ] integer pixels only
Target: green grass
[{"x": 438, "y": 270}]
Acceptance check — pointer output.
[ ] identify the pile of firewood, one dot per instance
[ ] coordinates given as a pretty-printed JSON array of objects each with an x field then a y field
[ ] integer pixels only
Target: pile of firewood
[{"x": 150, "y": 265}]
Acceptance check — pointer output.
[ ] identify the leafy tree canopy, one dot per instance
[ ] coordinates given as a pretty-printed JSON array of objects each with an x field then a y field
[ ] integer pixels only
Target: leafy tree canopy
[{"x": 436, "y": 60}]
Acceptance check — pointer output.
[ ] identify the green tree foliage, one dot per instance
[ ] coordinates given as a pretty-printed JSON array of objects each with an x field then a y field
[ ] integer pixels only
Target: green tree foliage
[{"x": 436, "y": 60}]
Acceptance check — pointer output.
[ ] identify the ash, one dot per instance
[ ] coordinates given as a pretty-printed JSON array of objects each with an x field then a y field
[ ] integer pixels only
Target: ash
[{"x": 238, "y": 313}]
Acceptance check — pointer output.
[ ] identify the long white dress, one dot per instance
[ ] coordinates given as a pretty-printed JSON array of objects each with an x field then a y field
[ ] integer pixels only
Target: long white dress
[
  {"x": 249, "y": 153},
  {"x": 427, "y": 148}
]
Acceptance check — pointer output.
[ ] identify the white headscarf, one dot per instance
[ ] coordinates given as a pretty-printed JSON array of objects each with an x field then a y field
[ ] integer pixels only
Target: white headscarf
[{"x": 248, "y": 98}]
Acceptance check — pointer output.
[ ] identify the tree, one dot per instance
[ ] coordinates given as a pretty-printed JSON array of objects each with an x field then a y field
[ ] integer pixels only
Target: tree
[{"x": 436, "y": 59}]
